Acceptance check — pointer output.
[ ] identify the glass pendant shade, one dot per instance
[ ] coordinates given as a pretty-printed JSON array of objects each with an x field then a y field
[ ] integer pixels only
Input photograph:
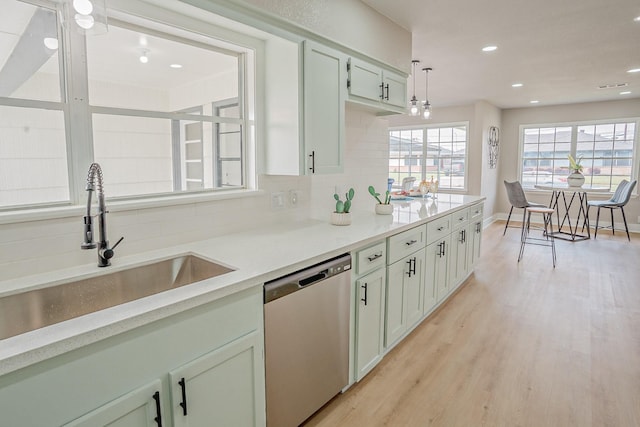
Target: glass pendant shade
[
  {"x": 426, "y": 110},
  {"x": 414, "y": 107},
  {"x": 426, "y": 106}
]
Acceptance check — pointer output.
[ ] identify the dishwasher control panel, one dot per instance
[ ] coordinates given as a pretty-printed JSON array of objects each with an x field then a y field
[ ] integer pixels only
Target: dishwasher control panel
[{"x": 312, "y": 275}]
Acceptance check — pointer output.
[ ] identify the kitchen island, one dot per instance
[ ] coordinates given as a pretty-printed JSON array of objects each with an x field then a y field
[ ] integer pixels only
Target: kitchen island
[{"x": 256, "y": 256}]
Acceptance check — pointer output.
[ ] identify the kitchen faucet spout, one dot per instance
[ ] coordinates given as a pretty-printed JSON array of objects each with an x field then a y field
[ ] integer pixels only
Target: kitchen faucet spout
[{"x": 95, "y": 184}]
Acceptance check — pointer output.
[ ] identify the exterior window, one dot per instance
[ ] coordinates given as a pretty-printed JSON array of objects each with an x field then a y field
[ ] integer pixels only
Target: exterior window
[
  {"x": 163, "y": 109},
  {"x": 606, "y": 151},
  {"x": 442, "y": 157}
]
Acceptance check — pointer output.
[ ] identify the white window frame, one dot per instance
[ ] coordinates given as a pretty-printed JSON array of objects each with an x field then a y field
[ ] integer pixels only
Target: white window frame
[
  {"x": 635, "y": 167},
  {"x": 80, "y": 153},
  {"x": 423, "y": 171}
]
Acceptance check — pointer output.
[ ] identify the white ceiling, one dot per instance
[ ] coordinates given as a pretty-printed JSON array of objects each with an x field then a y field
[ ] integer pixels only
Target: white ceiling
[{"x": 560, "y": 50}]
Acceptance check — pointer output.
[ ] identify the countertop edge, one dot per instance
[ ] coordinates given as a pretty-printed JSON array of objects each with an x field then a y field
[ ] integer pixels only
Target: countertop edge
[{"x": 36, "y": 346}]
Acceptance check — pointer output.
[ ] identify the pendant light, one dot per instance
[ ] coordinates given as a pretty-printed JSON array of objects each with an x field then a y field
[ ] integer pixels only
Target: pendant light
[
  {"x": 426, "y": 106},
  {"x": 414, "y": 108}
]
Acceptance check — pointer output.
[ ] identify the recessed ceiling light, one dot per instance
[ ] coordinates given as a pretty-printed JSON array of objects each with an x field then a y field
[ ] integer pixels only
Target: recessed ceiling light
[
  {"x": 175, "y": 66},
  {"x": 489, "y": 48},
  {"x": 51, "y": 43},
  {"x": 626, "y": 92},
  {"x": 535, "y": 101},
  {"x": 634, "y": 70},
  {"x": 517, "y": 85},
  {"x": 83, "y": 7}
]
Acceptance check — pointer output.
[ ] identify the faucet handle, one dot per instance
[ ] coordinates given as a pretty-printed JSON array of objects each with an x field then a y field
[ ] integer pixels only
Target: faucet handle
[
  {"x": 118, "y": 242},
  {"x": 108, "y": 252}
]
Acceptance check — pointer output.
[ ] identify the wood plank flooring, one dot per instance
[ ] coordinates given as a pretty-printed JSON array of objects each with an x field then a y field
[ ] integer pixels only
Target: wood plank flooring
[{"x": 520, "y": 344}]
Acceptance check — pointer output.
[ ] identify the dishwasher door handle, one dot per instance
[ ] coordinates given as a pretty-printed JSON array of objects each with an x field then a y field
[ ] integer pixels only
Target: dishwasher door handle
[{"x": 313, "y": 279}]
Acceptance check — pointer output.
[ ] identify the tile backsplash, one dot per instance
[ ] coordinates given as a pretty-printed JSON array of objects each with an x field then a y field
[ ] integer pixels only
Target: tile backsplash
[{"x": 37, "y": 247}]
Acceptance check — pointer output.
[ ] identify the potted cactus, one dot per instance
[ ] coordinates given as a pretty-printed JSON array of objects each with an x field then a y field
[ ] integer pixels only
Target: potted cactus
[
  {"x": 342, "y": 216},
  {"x": 384, "y": 206}
]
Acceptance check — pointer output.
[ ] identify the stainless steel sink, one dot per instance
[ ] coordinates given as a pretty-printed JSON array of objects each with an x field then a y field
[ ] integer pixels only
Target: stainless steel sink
[{"x": 35, "y": 309}]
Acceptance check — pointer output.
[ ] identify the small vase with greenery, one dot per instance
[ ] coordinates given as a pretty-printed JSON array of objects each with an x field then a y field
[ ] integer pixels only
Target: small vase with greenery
[
  {"x": 384, "y": 206},
  {"x": 342, "y": 214},
  {"x": 575, "y": 178}
]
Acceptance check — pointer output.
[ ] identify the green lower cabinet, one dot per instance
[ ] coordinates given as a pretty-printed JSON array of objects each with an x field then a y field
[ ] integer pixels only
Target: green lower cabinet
[
  {"x": 475, "y": 237},
  {"x": 404, "y": 296},
  {"x": 139, "y": 408},
  {"x": 219, "y": 388},
  {"x": 133, "y": 379},
  {"x": 370, "y": 301},
  {"x": 436, "y": 273}
]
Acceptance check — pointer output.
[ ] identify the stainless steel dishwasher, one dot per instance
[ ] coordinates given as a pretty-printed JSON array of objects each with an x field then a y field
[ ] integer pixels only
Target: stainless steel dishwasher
[{"x": 306, "y": 316}]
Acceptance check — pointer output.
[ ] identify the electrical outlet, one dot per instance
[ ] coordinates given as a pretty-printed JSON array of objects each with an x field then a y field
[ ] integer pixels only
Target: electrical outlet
[{"x": 277, "y": 200}]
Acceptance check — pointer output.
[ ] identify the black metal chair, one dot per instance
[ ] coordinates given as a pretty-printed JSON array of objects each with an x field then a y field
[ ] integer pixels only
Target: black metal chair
[
  {"x": 518, "y": 199},
  {"x": 618, "y": 201}
]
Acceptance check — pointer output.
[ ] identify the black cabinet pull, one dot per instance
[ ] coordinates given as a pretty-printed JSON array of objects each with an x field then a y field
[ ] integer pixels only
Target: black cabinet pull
[
  {"x": 386, "y": 98},
  {"x": 440, "y": 249},
  {"x": 443, "y": 244},
  {"x": 412, "y": 266},
  {"x": 477, "y": 227},
  {"x": 183, "y": 386},
  {"x": 158, "y": 418},
  {"x": 313, "y": 162},
  {"x": 381, "y": 90},
  {"x": 411, "y": 242},
  {"x": 365, "y": 294},
  {"x": 374, "y": 257}
]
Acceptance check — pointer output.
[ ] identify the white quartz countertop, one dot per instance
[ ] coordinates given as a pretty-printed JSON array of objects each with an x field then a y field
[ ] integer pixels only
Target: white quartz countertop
[{"x": 257, "y": 255}]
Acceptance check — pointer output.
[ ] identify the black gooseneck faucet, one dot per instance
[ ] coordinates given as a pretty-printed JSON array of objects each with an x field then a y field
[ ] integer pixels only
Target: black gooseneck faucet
[{"x": 95, "y": 183}]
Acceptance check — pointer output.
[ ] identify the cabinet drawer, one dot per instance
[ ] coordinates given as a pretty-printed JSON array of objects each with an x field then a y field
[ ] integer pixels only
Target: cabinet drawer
[
  {"x": 406, "y": 243},
  {"x": 438, "y": 229},
  {"x": 370, "y": 258},
  {"x": 475, "y": 212},
  {"x": 459, "y": 219}
]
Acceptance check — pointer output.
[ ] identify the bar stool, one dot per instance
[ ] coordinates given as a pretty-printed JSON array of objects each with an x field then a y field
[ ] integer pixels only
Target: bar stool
[{"x": 549, "y": 241}]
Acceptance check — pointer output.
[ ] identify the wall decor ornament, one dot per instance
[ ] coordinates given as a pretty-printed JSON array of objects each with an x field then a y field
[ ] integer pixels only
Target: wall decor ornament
[{"x": 493, "y": 140}]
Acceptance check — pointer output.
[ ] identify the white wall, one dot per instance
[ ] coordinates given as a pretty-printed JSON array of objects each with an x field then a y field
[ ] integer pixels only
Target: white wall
[
  {"x": 348, "y": 22},
  {"x": 513, "y": 118},
  {"x": 486, "y": 115}
]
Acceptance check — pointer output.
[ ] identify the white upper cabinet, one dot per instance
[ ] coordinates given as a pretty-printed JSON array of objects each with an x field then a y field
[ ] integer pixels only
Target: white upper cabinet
[{"x": 381, "y": 89}]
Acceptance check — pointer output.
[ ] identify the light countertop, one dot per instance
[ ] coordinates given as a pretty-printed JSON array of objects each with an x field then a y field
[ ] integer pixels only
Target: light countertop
[{"x": 257, "y": 255}]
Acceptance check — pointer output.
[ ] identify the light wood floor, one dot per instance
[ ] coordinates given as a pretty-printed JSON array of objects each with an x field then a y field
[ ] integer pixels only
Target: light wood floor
[{"x": 521, "y": 344}]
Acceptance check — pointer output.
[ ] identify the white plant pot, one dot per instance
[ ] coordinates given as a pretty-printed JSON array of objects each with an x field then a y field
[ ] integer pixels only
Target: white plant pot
[
  {"x": 340, "y": 218},
  {"x": 576, "y": 179},
  {"x": 384, "y": 209}
]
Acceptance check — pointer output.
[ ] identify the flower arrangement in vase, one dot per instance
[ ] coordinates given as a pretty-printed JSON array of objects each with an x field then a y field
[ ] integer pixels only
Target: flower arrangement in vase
[{"x": 342, "y": 216}]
